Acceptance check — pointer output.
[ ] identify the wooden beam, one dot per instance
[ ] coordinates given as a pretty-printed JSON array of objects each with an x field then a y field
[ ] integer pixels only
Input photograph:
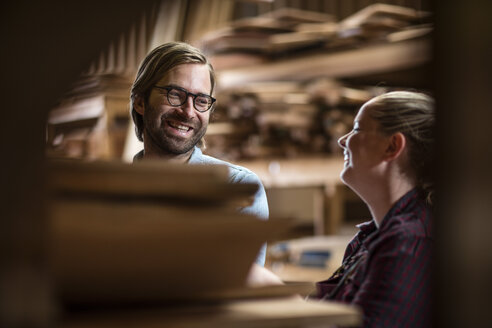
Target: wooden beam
[{"x": 377, "y": 58}]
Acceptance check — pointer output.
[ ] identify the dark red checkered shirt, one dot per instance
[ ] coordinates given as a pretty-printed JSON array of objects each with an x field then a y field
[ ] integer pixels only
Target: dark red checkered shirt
[{"x": 387, "y": 271}]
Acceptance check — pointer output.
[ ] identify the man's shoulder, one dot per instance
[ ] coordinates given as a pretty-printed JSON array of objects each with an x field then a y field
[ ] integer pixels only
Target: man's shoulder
[{"x": 237, "y": 173}]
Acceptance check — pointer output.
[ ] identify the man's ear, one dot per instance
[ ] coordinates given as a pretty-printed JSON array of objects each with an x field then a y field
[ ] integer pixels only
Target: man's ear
[
  {"x": 139, "y": 104},
  {"x": 396, "y": 145}
]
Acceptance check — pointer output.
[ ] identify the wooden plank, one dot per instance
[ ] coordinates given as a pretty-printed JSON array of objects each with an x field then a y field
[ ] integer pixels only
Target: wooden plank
[
  {"x": 275, "y": 313},
  {"x": 335, "y": 211},
  {"x": 376, "y": 58},
  {"x": 286, "y": 173},
  {"x": 146, "y": 179},
  {"x": 381, "y": 11},
  {"x": 118, "y": 258}
]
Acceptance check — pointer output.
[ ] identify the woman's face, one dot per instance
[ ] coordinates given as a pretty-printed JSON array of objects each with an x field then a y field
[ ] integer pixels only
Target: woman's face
[{"x": 363, "y": 151}]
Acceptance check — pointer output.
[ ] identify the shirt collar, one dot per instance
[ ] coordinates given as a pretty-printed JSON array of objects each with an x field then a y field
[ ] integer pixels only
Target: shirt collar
[
  {"x": 194, "y": 158},
  {"x": 402, "y": 205},
  {"x": 369, "y": 230}
]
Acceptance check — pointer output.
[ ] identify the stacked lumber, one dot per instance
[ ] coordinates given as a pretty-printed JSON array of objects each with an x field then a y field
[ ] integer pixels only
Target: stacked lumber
[
  {"x": 268, "y": 33},
  {"x": 288, "y": 31},
  {"x": 283, "y": 119},
  {"x": 149, "y": 232},
  {"x": 379, "y": 20},
  {"x": 91, "y": 121}
]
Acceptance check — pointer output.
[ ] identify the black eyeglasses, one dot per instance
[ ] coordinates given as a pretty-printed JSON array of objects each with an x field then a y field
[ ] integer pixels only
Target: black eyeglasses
[{"x": 177, "y": 96}]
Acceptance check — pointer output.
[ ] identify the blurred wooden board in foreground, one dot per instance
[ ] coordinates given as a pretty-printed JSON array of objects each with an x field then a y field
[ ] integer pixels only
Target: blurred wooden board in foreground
[
  {"x": 150, "y": 232},
  {"x": 265, "y": 313},
  {"x": 150, "y": 178},
  {"x": 120, "y": 260}
]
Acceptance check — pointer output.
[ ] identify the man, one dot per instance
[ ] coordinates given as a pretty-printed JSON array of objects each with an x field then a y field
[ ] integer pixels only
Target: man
[{"x": 171, "y": 103}]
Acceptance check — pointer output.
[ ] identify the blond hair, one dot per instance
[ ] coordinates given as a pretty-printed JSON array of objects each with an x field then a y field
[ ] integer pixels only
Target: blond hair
[{"x": 412, "y": 114}]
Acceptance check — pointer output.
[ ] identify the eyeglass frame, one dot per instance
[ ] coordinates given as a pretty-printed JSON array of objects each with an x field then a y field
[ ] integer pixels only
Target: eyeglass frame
[{"x": 194, "y": 95}]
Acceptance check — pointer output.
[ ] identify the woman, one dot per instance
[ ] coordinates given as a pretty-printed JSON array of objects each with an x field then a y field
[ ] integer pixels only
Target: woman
[{"x": 387, "y": 162}]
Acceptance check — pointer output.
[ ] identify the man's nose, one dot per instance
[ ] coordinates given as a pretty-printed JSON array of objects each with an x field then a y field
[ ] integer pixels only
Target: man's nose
[{"x": 188, "y": 107}]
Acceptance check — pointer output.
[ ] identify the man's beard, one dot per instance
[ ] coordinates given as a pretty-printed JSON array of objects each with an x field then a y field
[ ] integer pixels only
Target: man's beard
[{"x": 169, "y": 144}]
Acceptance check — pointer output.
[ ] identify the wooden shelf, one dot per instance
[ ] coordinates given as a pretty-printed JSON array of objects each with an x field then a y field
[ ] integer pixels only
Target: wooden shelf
[
  {"x": 286, "y": 173},
  {"x": 371, "y": 59}
]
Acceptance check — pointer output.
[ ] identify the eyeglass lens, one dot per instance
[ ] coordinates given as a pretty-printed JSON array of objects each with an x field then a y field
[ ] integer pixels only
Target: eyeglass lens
[{"x": 178, "y": 97}]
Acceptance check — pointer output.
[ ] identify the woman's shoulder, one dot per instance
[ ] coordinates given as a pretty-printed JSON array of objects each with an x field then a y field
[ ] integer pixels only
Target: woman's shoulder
[
  {"x": 411, "y": 216},
  {"x": 411, "y": 224}
]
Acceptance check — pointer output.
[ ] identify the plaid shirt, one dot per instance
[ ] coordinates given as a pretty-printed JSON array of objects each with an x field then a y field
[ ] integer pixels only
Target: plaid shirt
[{"x": 387, "y": 271}]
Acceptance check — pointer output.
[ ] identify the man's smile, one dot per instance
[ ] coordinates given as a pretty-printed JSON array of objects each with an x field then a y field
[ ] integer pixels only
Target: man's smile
[{"x": 180, "y": 126}]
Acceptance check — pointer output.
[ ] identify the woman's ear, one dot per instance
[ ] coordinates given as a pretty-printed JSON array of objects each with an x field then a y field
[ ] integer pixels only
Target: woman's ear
[
  {"x": 396, "y": 145},
  {"x": 139, "y": 104}
]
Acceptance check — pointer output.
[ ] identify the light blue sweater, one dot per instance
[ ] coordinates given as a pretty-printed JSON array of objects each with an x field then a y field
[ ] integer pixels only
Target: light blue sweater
[{"x": 239, "y": 174}]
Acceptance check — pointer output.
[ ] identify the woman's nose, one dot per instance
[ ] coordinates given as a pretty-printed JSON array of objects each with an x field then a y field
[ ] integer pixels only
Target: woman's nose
[{"x": 341, "y": 141}]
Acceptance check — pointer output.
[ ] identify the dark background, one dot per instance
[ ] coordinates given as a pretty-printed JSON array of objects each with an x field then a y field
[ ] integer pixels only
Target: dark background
[{"x": 45, "y": 46}]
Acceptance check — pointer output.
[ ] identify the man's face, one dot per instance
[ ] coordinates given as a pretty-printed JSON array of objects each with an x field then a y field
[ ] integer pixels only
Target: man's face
[{"x": 170, "y": 130}]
